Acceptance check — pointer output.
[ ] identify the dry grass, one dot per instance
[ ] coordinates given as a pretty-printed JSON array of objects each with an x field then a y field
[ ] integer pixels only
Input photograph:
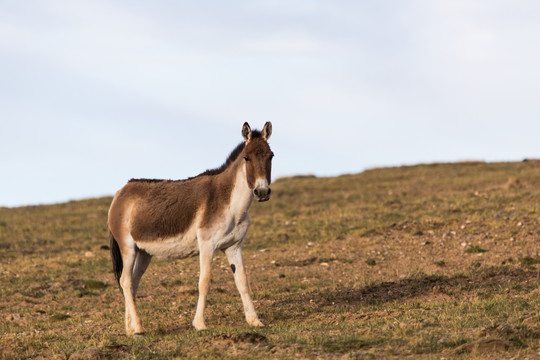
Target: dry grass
[{"x": 424, "y": 262}]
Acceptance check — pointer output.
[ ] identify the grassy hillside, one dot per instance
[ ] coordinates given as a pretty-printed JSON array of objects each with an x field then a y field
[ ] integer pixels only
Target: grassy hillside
[{"x": 426, "y": 261}]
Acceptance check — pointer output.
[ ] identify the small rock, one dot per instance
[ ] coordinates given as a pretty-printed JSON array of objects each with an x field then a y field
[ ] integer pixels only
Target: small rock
[
  {"x": 324, "y": 264},
  {"x": 443, "y": 340},
  {"x": 89, "y": 254},
  {"x": 13, "y": 317}
]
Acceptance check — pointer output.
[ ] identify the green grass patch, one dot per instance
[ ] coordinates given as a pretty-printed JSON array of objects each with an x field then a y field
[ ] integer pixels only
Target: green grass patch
[
  {"x": 529, "y": 261},
  {"x": 94, "y": 285},
  {"x": 475, "y": 249},
  {"x": 371, "y": 262},
  {"x": 347, "y": 344},
  {"x": 59, "y": 317}
]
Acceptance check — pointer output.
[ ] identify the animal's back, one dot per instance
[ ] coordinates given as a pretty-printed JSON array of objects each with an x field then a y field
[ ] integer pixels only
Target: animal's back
[{"x": 155, "y": 210}]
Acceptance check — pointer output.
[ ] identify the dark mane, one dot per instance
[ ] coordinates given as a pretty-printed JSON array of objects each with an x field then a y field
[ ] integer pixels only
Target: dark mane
[
  {"x": 148, "y": 180},
  {"x": 232, "y": 157}
]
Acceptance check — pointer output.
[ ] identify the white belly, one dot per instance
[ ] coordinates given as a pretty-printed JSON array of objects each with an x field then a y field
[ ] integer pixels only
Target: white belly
[
  {"x": 223, "y": 234},
  {"x": 179, "y": 247}
]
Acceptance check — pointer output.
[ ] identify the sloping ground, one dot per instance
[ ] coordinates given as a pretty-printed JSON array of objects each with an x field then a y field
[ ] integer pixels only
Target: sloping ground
[{"x": 426, "y": 261}]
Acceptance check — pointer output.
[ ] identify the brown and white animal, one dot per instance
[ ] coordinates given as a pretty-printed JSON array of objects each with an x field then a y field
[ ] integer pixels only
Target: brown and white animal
[{"x": 200, "y": 215}]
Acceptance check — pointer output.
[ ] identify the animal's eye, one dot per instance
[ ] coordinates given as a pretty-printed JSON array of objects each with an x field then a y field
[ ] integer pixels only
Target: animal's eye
[{"x": 246, "y": 158}]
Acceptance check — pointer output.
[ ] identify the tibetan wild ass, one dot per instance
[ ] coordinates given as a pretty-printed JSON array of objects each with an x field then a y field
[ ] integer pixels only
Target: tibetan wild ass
[{"x": 199, "y": 215}]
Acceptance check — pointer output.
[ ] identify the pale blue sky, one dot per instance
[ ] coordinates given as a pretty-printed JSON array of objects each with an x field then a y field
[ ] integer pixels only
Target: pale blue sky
[{"x": 93, "y": 93}]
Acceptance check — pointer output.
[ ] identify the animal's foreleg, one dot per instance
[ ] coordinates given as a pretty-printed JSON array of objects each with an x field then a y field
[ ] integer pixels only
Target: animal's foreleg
[
  {"x": 234, "y": 255},
  {"x": 206, "y": 253}
]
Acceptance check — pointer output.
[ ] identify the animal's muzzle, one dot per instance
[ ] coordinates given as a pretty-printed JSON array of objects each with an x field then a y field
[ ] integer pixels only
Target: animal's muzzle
[{"x": 262, "y": 193}]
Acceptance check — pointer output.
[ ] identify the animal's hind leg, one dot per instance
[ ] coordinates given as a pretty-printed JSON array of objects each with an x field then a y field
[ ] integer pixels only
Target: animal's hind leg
[
  {"x": 133, "y": 322},
  {"x": 142, "y": 260}
]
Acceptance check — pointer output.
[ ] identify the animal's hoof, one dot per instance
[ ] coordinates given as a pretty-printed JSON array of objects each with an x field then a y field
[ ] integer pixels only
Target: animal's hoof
[
  {"x": 139, "y": 334},
  {"x": 199, "y": 326},
  {"x": 256, "y": 323}
]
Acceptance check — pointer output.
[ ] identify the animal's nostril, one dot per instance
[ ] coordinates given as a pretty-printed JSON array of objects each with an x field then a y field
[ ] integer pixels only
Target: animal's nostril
[
  {"x": 261, "y": 192},
  {"x": 269, "y": 191}
]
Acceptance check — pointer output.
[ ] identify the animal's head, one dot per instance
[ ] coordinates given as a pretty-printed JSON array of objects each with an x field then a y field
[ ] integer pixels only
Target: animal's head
[{"x": 258, "y": 158}]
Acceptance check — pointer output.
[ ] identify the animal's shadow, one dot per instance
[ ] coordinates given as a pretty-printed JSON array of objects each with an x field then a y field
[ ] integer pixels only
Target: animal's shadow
[{"x": 482, "y": 280}]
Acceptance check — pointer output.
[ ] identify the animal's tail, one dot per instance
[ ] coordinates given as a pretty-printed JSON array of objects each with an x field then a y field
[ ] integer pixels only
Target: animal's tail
[{"x": 116, "y": 257}]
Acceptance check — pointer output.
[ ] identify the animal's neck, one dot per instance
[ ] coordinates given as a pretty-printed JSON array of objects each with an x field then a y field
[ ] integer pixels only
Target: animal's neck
[{"x": 241, "y": 196}]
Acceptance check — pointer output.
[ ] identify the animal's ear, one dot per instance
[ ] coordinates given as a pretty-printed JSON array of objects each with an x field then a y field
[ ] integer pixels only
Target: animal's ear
[
  {"x": 246, "y": 132},
  {"x": 267, "y": 131}
]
